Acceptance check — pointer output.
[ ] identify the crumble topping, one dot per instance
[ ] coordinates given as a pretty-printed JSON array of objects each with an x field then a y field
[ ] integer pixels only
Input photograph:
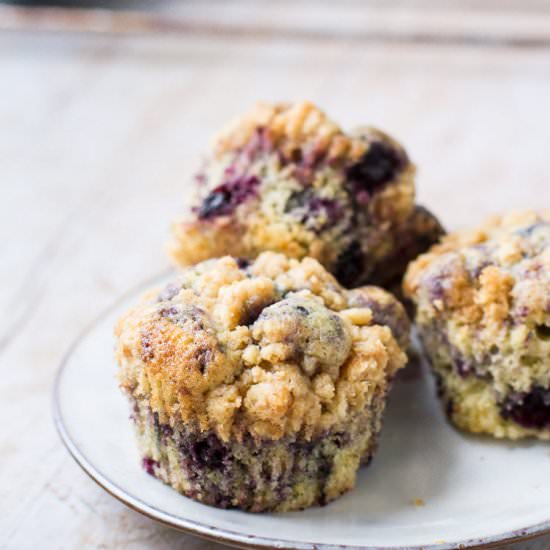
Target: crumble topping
[
  {"x": 487, "y": 276},
  {"x": 270, "y": 348}
]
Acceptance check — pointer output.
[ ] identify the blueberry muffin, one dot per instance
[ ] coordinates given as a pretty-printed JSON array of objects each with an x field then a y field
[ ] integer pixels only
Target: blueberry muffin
[
  {"x": 286, "y": 178},
  {"x": 259, "y": 386},
  {"x": 483, "y": 312}
]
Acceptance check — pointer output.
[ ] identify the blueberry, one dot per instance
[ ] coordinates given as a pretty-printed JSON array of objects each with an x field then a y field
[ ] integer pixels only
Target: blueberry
[
  {"x": 530, "y": 410},
  {"x": 223, "y": 200},
  {"x": 243, "y": 263},
  {"x": 349, "y": 265},
  {"x": 208, "y": 453},
  {"x": 215, "y": 203},
  {"x": 376, "y": 167}
]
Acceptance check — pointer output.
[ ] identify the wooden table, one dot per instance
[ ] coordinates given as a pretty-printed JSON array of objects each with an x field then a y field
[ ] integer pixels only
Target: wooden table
[{"x": 101, "y": 131}]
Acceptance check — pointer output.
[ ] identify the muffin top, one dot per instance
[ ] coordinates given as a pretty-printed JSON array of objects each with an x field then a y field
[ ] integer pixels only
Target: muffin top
[
  {"x": 489, "y": 288},
  {"x": 498, "y": 272},
  {"x": 286, "y": 178},
  {"x": 270, "y": 348}
]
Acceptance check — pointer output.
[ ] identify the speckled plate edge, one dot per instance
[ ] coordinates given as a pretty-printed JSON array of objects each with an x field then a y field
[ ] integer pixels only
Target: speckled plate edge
[{"x": 225, "y": 536}]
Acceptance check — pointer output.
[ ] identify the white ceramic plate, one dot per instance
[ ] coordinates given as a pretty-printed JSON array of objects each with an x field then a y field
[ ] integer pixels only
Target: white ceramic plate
[{"x": 429, "y": 487}]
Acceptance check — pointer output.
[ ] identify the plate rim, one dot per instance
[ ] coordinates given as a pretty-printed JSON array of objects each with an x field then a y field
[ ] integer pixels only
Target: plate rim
[{"x": 220, "y": 535}]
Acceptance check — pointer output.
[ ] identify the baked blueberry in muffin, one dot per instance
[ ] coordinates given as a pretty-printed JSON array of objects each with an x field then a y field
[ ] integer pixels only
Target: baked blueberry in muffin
[
  {"x": 483, "y": 312},
  {"x": 259, "y": 385},
  {"x": 286, "y": 178}
]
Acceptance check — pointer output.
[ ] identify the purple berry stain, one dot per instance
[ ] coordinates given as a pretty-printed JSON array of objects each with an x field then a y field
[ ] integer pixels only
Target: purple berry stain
[
  {"x": 209, "y": 452},
  {"x": 329, "y": 207},
  {"x": 462, "y": 367},
  {"x": 149, "y": 465},
  {"x": 321, "y": 212},
  {"x": 223, "y": 200}
]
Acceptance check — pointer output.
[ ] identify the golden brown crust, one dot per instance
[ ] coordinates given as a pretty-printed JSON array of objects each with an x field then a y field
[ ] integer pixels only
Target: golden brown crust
[
  {"x": 272, "y": 349},
  {"x": 291, "y": 126}
]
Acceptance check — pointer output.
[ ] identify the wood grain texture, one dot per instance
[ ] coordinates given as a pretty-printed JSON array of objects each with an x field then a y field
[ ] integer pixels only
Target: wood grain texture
[
  {"x": 442, "y": 24},
  {"x": 100, "y": 135}
]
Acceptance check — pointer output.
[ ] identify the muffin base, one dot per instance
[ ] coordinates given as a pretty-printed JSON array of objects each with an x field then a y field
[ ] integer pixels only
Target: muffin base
[
  {"x": 472, "y": 404},
  {"x": 257, "y": 475}
]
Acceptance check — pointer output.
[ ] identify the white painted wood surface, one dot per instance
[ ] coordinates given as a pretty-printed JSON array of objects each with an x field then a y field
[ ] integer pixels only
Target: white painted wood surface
[{"x": 100, "y": 134}]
